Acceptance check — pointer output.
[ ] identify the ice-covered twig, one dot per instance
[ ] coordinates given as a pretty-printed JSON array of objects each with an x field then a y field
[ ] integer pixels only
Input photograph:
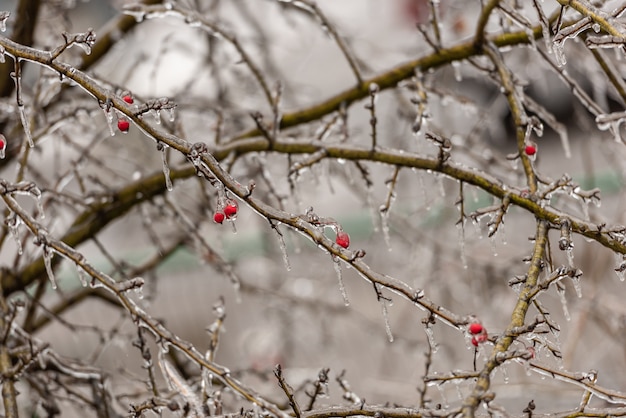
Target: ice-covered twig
[{"x": 293, "y": 403}]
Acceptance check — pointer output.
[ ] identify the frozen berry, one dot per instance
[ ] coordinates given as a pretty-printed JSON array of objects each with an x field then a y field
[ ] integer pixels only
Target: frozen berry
[
  {"x": 479, "y": 338},
  {"x": 530, "y": 149},
  {"x": 475, "y": 328},
  {"x": 123, "y": 125},
  {"x": 128, "y": 99},
  {"x": 343, "y": 239},
  {"x": 218, "y": 217},
  {"x": 3, "y": 145},
  {"x": 230, "y": 210}
]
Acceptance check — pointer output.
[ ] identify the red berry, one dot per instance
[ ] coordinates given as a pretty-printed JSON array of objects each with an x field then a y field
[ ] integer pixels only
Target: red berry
[
  {"x": 218, "y": 217},
  {"x": 128, "y": 99},
  {"x": 3, "y": 142},
  {"x": 343, "y": 239},
  {"x": 475, "y": 328},
  {"x": 474, "y": 342},
  {"x": 230, "y": 210},
  {"x": 530, "y": 149},
  {"x": 123, "y": 125}
]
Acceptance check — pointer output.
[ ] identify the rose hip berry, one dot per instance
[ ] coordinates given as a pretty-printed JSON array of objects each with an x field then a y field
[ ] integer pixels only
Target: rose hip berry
[
  {"x": 479, "y": 338},
  {"x": 218, "y": 217},
  {"x": 230, "y": 210},
  {"x": 123, "y": 125},
  {"x": 530, "y": 149},
  {"x": 342, "y": 239},
  {"x": 128, "y": 99},
  {"x": 3, "y": 145},
  {"x": 475, "y": 328}
]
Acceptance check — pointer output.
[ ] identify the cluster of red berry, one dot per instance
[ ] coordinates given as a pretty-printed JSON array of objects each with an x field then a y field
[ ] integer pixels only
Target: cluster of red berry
[
  {"x": 122, "y": 123},
  {"x": 478, "y": 333},
  {"x": 228, "y": 212}
]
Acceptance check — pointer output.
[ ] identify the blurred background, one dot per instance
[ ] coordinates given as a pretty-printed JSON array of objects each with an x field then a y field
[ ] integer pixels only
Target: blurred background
[{"x": 295, "y": 315}]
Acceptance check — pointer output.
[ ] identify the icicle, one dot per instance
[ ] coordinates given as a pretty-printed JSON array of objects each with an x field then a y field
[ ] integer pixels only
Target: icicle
[
  {"x": 26, "y": 124},
  {"x": 456, "y": 67},
  {"x": 569, "y": 252},
  {"x": 166, "y": 167},
  {"x": 494, "y": 249},
  {"x": 13, "y": 222},
  {"x": 384, "y": 224},
  {"x": 531, "y": 38},
  {"x": 47, "y": 260},
  {"x": 576, "y": 283},
  {"x": 565, "y": 34},
  {"x": 342, "y": 288},
  {"x": 283, "y": 248},
  {"x": 4, "y": 16},
  {"x": 620, "y": 268},
  {"x": 442, "y": 393},
  {"x": 559, "y": 54},
  {"x": 502, "y": 233},
  {"x": 177, "y": 384},
  {"x": 561, "y": 291},
  {"x": 442, "y": 186},
  {"x": 461, "y": 230},
  {"x": 545, "y": 33},
  {"x": 430, "y": 335},
  {"x": 386, "y": 318},
  {"x": 459, "y": 393},
  {"x": 422, "y": 187},
  {"x": 505, "y": 374},
  {"x": 109, "y": 117},
  {"x": 36, "y": 193},
  {"x": 172, "y": 115}
]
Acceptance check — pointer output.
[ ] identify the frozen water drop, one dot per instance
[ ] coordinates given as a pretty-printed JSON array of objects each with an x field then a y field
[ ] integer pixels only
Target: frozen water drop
[
  {"x": 136, "y": 12},
  {"x": 83, "y": 276},
  {"x": 4, "y": 16}
]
